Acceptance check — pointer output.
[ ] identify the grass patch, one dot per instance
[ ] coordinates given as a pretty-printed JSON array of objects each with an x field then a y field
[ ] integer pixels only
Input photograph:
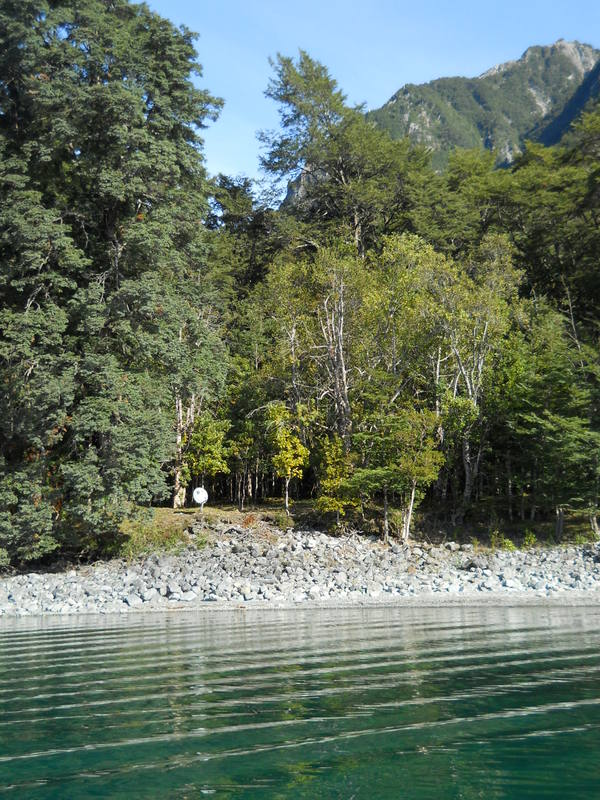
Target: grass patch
[
  {"x": 160, "y": 530},
  {"x": 280, "y": 519}
]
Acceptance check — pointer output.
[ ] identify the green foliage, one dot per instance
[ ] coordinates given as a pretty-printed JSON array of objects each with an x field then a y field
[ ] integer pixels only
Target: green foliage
[
  {"x": 289, "y": 454},
  {"x": 106, "y": 321},
  {"x": 160, "y": 530},
  {"x": 529, "y": 539},
  {"x": 584, "y": 538},
  {"x": 206, "y": 451},
  {"x": 336, "y": 469},
  {"x": 398, "y": 454},
  {"x": 498, "y": 541},
  {"x": 498, "y": 110},
  {"x": 280, "y": 519},
  {"x": 351, "y": 177},
  {"x": 393, "y": 335}
]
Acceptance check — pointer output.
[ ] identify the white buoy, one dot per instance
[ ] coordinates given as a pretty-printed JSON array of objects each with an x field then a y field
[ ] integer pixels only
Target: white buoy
[{"x": 200, "y": 496}]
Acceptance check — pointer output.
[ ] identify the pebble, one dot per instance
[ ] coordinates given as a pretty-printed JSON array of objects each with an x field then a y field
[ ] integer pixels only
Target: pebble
[{"x": 294, "y": 567}]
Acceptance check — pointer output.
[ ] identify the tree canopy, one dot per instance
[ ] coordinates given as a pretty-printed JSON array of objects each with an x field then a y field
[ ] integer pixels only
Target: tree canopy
[{"x": 388, "y": 338}]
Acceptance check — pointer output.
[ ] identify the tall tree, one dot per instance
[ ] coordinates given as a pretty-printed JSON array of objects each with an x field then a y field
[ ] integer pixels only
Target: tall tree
[
  {"x": 398, "y": 454},
  {"x": 349, "y": 175},
  {"x": 103, "y": 292},
  {"x": 290, "y": 456}
]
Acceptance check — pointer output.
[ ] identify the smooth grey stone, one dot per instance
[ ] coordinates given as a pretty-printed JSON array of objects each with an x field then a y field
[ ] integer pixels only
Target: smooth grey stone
[{"x": 133, "y": 600}]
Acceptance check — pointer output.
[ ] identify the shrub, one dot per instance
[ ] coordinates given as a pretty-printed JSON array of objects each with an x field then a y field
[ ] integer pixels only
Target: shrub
[
  {"x": 498, "y": 541},
  {"x": 584, "y": 538},
  {"x": 530, "y": 539},
  {"x": 280, "y": 519},
  {"x": 160, "y": 531}
]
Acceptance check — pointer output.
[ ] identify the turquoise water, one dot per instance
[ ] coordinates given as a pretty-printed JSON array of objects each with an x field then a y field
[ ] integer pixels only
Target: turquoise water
[{"x": 365, "y": 703}]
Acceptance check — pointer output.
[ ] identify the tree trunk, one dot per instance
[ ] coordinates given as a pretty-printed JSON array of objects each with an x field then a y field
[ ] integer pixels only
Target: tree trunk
[
  {"x": 241, "y": 488},
  {"x": 179, "y": 491},
  {"x": 471, "y": 464},
  {"x": 469, "y": 476},
  {"x": 333, "y": 327},
  {"x": 184, "y": 420},
  {"x": 594, "y": 525},
  {"x": 458, "y": 515},
  {"x": 386, "y": 525},
  {"x": 522, "y": 508},
  {"x": 407, "y": 516},
  {"x": 560, "y": 522},
  {"x": 509, "y": 487},
  {"x": 287, "y": 496},
  {"x": 358, "y": 238}
]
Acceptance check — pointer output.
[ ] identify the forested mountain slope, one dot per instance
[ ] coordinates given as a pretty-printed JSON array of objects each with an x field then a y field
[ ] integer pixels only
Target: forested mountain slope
[
  {"x": 535, "y": 97},
  {"x": 553, "y": 127}
]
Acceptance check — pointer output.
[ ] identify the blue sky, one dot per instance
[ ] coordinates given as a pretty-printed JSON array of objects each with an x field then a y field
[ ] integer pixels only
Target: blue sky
[{"x": 370, "y": 48}]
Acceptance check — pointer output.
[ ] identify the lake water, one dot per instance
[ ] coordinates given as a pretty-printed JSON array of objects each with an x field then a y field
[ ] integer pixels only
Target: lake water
[{"x": 364, "y": 703}]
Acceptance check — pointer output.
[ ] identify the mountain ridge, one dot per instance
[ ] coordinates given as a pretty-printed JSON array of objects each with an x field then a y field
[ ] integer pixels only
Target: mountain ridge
[{"x": 536, "y": 96}]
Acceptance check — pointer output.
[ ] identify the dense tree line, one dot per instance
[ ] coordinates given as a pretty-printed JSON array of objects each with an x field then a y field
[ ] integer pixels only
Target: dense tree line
[
  {"x": 386, "y": 337},
  {"x": 427, "y": 337}
]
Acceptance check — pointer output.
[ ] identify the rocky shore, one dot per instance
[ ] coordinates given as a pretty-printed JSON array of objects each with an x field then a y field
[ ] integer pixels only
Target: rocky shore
[{"x": 238, "y": 567}]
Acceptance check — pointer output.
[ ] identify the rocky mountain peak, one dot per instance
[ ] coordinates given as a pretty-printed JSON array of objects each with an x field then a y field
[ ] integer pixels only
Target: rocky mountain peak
[{"x": 500, "y": 109}]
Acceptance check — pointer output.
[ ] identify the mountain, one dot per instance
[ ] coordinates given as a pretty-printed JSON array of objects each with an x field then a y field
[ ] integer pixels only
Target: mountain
[
  {"x": 536, "y": 96},
  {"x": 553, "y": 127}
]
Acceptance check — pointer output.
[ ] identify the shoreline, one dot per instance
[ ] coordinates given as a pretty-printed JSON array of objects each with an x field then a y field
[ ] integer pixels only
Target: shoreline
[
  {"x": 490, "y": 602},
  {"x": 269, "y": 569}
]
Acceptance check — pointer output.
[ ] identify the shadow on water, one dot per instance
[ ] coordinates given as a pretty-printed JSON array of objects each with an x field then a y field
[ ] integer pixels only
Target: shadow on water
[{"x": 351, "y": 703}]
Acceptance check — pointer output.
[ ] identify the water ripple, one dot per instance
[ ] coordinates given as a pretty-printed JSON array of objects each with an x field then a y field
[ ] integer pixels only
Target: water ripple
[{"x": 452, "y": 703}]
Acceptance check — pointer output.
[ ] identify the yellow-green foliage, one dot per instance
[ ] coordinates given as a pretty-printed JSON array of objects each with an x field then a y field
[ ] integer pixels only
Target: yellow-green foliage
[
  {"x": 290, "y": 454},
  {"x": 498, "y": 541},
  {"x": 206, "y": 452},
  {"x": 336, "y": 470},
  {"x": 530, "y": 539},
  {"x": 280, "y": 519},
  {"x": 584, "y": 538}
]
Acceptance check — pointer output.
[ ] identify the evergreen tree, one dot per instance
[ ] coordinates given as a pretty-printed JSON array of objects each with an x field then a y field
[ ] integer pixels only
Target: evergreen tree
[
  {"x": 109, "y": 334},
  {"x": 350, "y": 176}
]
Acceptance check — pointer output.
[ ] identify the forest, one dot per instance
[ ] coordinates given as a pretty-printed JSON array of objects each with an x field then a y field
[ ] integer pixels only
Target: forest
[{"x": 398, "y": 347}]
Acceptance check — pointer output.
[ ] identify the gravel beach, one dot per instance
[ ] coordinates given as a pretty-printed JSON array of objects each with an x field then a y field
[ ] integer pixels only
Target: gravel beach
[{"x": 241, "y": 568}]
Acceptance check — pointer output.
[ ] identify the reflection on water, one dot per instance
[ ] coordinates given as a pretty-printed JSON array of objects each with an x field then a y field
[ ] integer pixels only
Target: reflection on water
[{"x": 364, "y": 703}]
